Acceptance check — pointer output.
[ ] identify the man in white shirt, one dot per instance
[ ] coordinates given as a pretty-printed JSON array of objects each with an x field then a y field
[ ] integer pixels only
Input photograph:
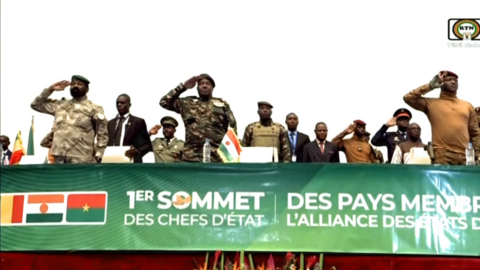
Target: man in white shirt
[{"x": 6, "y": 153}]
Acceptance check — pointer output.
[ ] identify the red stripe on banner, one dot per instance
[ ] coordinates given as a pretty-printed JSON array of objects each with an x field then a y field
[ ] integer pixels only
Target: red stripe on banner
[
  {"x": 92, "y": 200},
  {"x": 231, "y": 136},
  {"x": 17, "y": 211}
]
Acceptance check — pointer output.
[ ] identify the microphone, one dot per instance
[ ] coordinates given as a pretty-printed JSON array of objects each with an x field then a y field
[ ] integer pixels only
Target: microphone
[
  {"x": 75, "y": 144},
  {"x": 273, "y": 145}
]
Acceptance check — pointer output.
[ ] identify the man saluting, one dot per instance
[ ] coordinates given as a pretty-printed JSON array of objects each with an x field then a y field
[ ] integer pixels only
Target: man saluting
[
  {"x": 454, "y": 121},
  {"x": 205, "y": 117}
]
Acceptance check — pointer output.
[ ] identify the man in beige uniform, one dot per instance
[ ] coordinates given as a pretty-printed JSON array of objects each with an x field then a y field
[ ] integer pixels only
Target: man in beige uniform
[
  {"x": 356, "y": 149},
  {"x": 168, "y": 148},
  {"x": 78, "y": 121},
  {"x": 268, "y": 133},
  {"x": 454, "y": 121}
]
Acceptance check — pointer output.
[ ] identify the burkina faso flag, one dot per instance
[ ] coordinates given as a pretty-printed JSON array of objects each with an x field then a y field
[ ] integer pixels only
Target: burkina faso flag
[{"x": 86, "y": 208}]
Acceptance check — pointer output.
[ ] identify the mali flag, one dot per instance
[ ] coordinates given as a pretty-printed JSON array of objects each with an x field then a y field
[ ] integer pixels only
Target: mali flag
[
  {"x": 18, "y": 150},
  {"x": 11, "y": 209},
  {"x": 86, "y": 208}
]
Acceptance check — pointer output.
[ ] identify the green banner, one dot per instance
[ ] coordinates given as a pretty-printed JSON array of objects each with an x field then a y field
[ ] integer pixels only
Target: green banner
[{"x": 256, "y": 207}]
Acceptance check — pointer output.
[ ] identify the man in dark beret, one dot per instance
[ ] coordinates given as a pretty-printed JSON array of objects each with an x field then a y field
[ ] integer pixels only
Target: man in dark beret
[
  {"x": 168, "y": 148},
  {"x": 454, "y": 121},
  {"x": 79, "y": 122},
  {"x": 204, "y": 116},
  {"x": 401, "y": 119},
  {"x": 267, "y": 133},
  {"x": 356, "y": 149}
]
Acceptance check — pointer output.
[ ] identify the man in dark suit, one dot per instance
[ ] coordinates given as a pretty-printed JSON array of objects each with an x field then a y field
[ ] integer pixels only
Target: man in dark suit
[
  {"x": 320, "y": 150},
  {"x": 401, "y": 118},
  {"x": 6, "y": 153},
  {"x": 296, "y": 139},
  {"x": 128, "y": 130}
]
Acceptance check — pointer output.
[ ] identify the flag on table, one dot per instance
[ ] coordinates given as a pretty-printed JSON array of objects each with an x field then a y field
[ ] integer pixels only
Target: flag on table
[
  {"x": 11, "y": 209},
  {"x": 31, "y": 146},
  {"x": 230, "y": 149},
  {"x": 45, "y": 208},
  {"x": 18, "y": 150},
  {"x": 86, "y": 208}
]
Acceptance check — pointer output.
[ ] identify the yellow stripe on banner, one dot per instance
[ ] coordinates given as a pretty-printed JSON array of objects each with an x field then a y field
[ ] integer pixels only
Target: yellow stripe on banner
[{"x": 7, "y": 209}]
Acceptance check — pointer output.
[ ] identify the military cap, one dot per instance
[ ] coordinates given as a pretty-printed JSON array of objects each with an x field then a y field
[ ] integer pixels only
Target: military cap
[
  {"x": 81, "y": 78},
  {"x": 168, "y": 120},
  {"x": 402, "y": 112},
  {"x": 206, "y": 76},
  {"x": 449, "y": 73},
  {"x": 360, "y": 122},
  {"x": 260, "y": 103}
]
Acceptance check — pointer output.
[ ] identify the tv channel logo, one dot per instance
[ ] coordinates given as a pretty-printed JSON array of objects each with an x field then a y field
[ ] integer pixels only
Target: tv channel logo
[{"x": 464, "y": 29}]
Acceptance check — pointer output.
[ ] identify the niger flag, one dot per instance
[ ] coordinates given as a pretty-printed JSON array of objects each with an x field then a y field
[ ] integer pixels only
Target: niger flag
[
  {"x": 86, "y": 208},
  {"x": 18, "y": 150}
]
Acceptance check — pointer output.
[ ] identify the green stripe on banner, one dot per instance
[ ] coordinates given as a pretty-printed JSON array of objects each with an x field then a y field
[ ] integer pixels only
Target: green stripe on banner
[
  {"x": 44, "y": 218},
  {"x": 92, "y": 215}
]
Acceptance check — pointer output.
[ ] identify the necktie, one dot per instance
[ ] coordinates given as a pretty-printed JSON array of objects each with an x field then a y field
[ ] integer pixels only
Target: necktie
[
  {"x": 118, "y": 131},
  {"x": 3, "y": 158},
  {"x": 168, "y": 141},
  {"x": 292, "y": 141},
  {"x": 404, "y": 135},
  {"x": 321, "y": 147}
]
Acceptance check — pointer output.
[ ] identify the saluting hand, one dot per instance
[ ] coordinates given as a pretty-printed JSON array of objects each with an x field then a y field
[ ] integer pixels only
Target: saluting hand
[
  {"x": 190, "y": 83},
  {"x": 392, "y": 122},
  {"x": 437, "y": 81},
  {"x": 351, "y": 128},
  {"x": 154, "y": 130},
  {"x": 59, "y": 86}
]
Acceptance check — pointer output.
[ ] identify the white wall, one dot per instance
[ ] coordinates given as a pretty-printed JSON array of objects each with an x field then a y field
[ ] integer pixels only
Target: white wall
[{"x": 332, "y": 61}]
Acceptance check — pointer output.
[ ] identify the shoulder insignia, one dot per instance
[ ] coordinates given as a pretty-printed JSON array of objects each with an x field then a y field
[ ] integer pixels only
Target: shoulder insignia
[{"x": 218, "y": 103}]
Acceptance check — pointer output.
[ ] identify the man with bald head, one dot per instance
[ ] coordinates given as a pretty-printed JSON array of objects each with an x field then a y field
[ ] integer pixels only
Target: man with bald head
[
  {"x": 128, "y": 130},
  {"x": 402, "y": 151},
  {"x": 454, "y": 121},
  {"x": 356, "y": 149},
  {"x": 296, "y": 139},
  {"x": 320, "y": 150},
  {"x": 267, "y": 133}
]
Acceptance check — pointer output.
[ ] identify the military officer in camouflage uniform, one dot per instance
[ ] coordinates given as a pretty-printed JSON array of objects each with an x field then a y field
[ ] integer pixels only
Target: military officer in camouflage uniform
[
  {"x": 78, "y": 123},
  {"x": 168, "y": 148},
  {"x": 204, "y": 117},
  {"x": 268, "y": 133}
]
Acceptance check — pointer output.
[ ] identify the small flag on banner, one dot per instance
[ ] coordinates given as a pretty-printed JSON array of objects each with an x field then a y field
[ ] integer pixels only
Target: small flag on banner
[
  {"x": 54, "y": 208},
  {"x": 230, "y": 149}
]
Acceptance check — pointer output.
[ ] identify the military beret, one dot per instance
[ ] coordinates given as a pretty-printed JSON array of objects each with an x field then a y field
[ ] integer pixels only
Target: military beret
[
  {"x": 168, "y": 120},
  {"x": 449, "y": 73},
  {"x": 260, "y": 103},
  {"x": 402, "y": 112},
  {"x": 206, "y": 76},
  {"x": 360, "y": 122},
  {"x": 81, "y": 78}
]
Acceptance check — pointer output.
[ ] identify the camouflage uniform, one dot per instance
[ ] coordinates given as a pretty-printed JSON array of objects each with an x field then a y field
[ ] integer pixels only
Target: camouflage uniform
[
  {"x": 278, "y": 140},
  {"x": 478, "y": 115},
  {"x": 167, "y": 153},
  {"x": 47, "y": 141},
  {"x": 78, "y": 122},
  {"x": 203, "y": 119}
]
